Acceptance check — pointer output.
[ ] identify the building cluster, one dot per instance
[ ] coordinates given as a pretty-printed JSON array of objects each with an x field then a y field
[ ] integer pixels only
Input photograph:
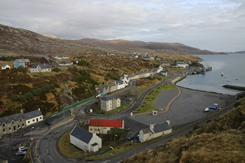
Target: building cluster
[
  {"x": 154, "y": 131},
  {"x": 124, "y": 81},
  {"x": 89, "y": 140},
  {"x": 12, "y": 123},
  {"x": 43, "y": 66}
]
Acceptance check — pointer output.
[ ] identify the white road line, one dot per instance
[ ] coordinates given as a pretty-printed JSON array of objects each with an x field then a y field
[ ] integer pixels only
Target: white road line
[{"x": 50, "y": 157}]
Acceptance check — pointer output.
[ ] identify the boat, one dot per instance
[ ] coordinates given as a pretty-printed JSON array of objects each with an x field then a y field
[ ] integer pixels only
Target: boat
[{"x": 222, "y": 74}]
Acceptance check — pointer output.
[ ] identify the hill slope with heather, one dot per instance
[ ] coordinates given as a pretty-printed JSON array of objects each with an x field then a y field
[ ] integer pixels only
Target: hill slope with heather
[
  {"x": 221, "y": 140},
  {"x": 21, "y": 41}
]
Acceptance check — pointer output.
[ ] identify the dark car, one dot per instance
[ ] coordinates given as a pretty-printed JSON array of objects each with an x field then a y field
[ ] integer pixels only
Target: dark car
[{"x": 130, "y": 137}]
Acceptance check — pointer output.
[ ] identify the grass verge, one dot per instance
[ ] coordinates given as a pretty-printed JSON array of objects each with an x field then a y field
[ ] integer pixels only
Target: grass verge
[{"x": 147, "y": 105}]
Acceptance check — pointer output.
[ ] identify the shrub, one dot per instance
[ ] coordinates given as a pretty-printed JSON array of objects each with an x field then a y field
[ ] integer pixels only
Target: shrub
[
  {"x": 237, "y": 104},
  {"x": 45, "y": 88},
  {"x": 56, "y": 69},
  {"x": 21, "y": 98},
  {"x": 13, "y": 98},
  {"x": 28, "y": 96},
  {"x": 37, "y": 92}
]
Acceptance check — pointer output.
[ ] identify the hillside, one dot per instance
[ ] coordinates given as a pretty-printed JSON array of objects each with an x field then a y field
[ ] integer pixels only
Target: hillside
[
  {"x": 18, "y": 41},
  {"x": 221, "y": 140}
]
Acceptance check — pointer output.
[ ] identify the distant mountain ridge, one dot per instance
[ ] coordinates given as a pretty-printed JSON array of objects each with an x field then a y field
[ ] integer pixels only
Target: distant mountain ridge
[{"x": 23, "y": 41}]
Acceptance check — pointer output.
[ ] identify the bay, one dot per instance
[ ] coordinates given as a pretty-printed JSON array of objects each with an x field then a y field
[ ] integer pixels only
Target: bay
[{"x": 231, "y": 65}]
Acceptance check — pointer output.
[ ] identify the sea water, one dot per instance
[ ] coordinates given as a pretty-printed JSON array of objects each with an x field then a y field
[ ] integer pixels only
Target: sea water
[{"x": 231, "y": 65}]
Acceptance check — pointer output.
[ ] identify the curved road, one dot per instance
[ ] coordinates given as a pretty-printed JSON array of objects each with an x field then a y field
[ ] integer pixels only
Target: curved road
[{"x": 45, "y": 149}]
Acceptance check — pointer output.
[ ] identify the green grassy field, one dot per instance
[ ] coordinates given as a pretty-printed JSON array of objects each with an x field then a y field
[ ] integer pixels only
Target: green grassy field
[{"x": 147, "y": 105}]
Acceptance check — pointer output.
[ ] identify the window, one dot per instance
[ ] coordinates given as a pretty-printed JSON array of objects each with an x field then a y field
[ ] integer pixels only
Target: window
[
  {"x": 12, "y": 122},
  {"x": 9, "y": 128},
  {"x": 33, "y": 120},
  {"x": 40, "y": 117},
  {"x": 20, "y": 119},
  {"x": 91, "y": 129},
  {"x": 4, "y": 130},
  {"x": 28, "y": 121},
  {"x": 18, "y": 126},
  {"x": 23, "y": 124},
  {"x": 3, "y": 125}
]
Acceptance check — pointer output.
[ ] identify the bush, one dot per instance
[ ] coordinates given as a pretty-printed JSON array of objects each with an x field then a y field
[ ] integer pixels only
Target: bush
[
  {"x": 13, "y": 98},
  {"x": 28, "y": 96},
  {"x": 45, "y": 88},
  {"x": 237, "y": 104},
  {"x": 37, "y": 92},
  {"x": 21, "y": 98},
  {"x": 56, "y": 69}
]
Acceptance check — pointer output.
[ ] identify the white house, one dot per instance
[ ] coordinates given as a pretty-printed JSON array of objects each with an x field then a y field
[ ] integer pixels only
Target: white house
[
  {"x": 4, "y": 67},
  {"x": 65, "y": 64},
  {"x": 100, "y": 126},
  {"x": 120, "y": 84},
  {"x": 40, "y": 68},
  {"x": 155, "y": 131},
  {"x": 184, "y": 65},
  {"x": 33, "y": 117},
  {"x": 85, "y": 140},
  {"x": 109, "y": 103}
]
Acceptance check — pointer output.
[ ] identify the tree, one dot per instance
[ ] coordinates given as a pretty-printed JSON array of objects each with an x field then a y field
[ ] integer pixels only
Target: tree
[{"x": 21, "y": 98}]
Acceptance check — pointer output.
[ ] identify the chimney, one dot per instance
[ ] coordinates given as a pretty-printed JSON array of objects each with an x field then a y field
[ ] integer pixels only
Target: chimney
[
  {"x": 168, "y": 121},
  {"x": 39, "y": 109},
  {"x": 152, "y": 127}
]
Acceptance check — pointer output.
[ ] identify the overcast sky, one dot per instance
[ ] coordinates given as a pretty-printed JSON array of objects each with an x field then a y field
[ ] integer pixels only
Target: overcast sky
[{"x": 216, "y": 25}]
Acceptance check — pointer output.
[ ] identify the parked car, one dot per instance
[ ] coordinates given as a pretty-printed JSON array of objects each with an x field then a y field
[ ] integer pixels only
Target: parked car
[
  {"x": 20, "y": 153},
  {"x": 206, "y": 109},
  {"x": 23, "y": 148},
  {"x": 130, "y": 137}
]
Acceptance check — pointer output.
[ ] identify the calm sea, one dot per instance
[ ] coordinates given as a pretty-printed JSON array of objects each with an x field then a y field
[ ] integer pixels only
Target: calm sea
[{"x": 233, "y": 67}]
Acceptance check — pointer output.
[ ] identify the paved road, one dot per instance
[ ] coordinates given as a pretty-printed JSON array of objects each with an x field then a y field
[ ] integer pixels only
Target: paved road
[{"x": 46, "y": 150}]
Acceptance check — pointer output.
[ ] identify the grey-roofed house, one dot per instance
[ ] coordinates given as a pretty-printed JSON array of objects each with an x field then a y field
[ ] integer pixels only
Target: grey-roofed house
[
  {"x": 4, "y": 67},
  {"x": 85, "y": 140},
  {"x": 108, "y": 103},
  {"x": 65, "y": 64},
  {"x": 12, "y": 123},
  {"x": 33, "y": 117},
  {"x": 22, "y": 62},
  {"x": 155, "y": 131},
  {"x": 40, "y": 68}
]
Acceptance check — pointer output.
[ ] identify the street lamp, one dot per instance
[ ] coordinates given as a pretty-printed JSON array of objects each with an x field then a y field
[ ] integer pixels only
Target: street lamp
[{"x": 31, "y": 133}]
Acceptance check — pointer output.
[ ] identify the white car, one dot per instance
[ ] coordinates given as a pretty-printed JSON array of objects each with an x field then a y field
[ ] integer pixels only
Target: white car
[
  {"x": 206, "y": 109},
  {"x": 20, "y": 153},
  {"x": 23, "y": 148}
]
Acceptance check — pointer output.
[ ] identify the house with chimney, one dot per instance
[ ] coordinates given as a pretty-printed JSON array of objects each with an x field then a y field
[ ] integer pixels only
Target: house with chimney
[
  {"x": 33, "y": 117},
  {"x": 154, "y": 131},
  {"x": 12, "y": 123},
  {"x": 100, "y": 126},
  {"x": 108, "y": 103},
  {"x": 40, "y": 68},
  {"x": 85, "y": 140}
]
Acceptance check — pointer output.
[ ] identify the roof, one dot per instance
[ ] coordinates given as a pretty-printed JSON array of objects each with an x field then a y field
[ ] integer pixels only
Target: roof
[
  {"x": 32, "y": 114},
  {"x": 65, "y": 62},
  {"x": 43, "y": 66},
  {"x": 106, "y": 123},
  {"x": 14, "y": 117},
  {"x": 161, "y": 127},
  {"x": 81, "y": 134},
  {"x": 104, "y": 98},
  {"x": 23, "y": 60}
]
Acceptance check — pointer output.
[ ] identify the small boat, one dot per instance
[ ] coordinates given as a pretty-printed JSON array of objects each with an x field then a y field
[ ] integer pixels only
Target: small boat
[{"x": 222, "y": 74}]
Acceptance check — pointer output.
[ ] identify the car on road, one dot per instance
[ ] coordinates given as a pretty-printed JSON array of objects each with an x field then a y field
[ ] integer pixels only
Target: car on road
[
  {"x": 23, "y": 148},
  {"x": 20, "y": 153},
  {"x": 130, "y": 137},
  {"x": 206, "y": 109}
]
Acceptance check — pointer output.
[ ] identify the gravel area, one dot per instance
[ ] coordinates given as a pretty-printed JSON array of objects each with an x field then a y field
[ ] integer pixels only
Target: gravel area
[
  {"x": 164, "y": 98},
  {"x": 188, "y": 107}
]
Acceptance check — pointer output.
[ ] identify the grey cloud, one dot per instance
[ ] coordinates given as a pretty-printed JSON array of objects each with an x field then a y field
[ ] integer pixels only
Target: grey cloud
[{"x": 212, "y": 24}]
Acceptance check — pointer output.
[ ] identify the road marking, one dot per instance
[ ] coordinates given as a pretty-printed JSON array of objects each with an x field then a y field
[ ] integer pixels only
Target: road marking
[{"x": 50, "y": 158}]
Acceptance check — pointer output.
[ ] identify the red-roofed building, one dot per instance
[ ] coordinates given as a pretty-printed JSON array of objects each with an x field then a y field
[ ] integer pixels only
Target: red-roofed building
[{"x": 100, "y": 126}]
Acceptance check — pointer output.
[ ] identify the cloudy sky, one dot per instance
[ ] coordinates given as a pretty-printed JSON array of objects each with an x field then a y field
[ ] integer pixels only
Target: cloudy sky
[{"x": 216, "y": 25}]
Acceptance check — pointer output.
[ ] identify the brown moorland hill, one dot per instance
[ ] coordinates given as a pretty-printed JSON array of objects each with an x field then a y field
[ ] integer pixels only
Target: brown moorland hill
[
  {"x": 20, "y": 41},
  {"x": 221, "y": 140}
]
